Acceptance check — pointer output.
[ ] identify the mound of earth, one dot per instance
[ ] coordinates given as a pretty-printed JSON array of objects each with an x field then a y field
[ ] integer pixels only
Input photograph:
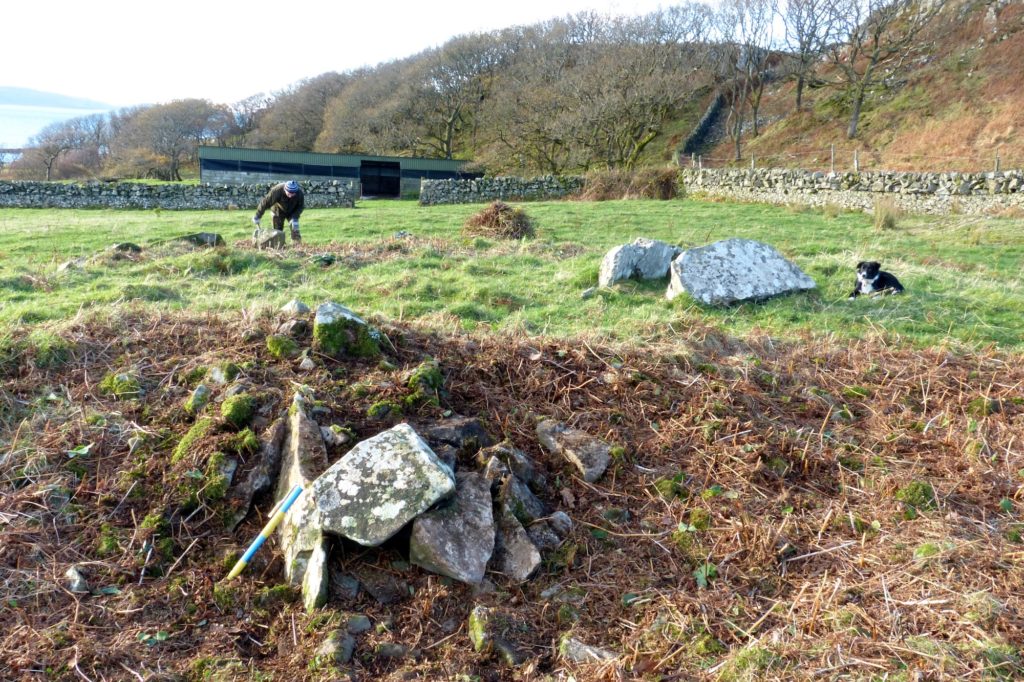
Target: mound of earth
[{"x": 771, "y": 509}]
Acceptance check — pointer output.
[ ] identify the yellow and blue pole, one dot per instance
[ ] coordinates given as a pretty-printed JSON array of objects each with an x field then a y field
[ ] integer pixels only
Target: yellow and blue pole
[{"x": 276, "y": 515}]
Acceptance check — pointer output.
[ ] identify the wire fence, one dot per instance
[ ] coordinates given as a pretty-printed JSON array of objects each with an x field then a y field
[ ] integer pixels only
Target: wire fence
[{"x": 838, "y": 159}]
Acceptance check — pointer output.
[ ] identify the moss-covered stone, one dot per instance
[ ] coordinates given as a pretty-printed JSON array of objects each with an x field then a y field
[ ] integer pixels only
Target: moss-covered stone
[
  {"x": 224, "y": 595},
  {"x": 383, "y": 409},
  {"x": 426, "y": 376},
  {"x": 282, "y": 347},
  {"x": 195, "y": 375},
  {"x": 198, "y": 399},
  {"x": 121, "y": 385},
  {"x": 337, "y": 332},
  {"x": 245, "y": 442},
  {"x": 200, "y": 430},
  {"x": 237, "y": 410},
  {"x": 425, "y": 382},
  {"x": 276, "y": 595},
  {"x": 217, "y": 477}
]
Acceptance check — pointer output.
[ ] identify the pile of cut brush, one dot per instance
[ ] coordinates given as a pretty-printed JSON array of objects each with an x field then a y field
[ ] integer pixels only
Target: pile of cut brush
[{"x": 774, "y": 510}]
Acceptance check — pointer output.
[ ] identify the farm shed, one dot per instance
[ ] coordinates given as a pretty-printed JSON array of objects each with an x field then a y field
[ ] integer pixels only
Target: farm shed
[{"x": 378, "y": 176}]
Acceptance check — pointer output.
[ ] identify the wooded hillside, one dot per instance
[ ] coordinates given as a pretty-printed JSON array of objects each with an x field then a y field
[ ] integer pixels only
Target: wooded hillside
[{"x": 785, "y": 81}]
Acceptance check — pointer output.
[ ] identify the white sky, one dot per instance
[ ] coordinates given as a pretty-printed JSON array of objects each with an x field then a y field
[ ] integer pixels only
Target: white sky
[{"x": 148, "y": 52}]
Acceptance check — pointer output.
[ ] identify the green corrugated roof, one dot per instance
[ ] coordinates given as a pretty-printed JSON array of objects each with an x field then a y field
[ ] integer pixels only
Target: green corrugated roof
[{"x": 314, "y": 158}]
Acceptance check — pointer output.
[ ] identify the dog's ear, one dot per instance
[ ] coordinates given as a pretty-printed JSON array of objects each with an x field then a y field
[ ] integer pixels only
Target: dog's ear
[{"x": 860, "y": 265}]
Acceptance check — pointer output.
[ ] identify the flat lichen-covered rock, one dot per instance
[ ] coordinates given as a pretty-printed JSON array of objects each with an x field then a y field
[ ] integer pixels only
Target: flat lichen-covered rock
[
  {"x": 380, "y": 485},
  {"x": 734, "y": 270}
]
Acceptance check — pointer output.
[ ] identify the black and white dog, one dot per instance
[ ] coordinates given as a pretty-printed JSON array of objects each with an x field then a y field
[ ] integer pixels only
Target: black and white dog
[{"x": 871, "y": 279}]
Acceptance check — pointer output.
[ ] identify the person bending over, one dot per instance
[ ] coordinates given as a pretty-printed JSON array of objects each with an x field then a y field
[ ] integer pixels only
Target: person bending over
[{"x": 285, "y": 201}]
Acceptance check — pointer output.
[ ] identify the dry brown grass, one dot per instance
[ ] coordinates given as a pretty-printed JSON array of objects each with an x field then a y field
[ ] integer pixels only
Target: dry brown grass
[
  {"x": 643, "y": 183},
  {"x": 790, "y": 460},
  {"x": 969, "y": 112},
  {"x": 500, "y": 220}
]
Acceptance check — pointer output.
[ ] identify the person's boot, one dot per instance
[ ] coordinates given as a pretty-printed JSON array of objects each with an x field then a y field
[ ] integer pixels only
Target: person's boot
[{"x": 296, "y": 237}]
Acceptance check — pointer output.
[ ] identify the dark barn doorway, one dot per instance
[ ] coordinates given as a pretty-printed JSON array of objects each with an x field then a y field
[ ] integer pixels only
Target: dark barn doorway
[{"x": 381, "y": 178}]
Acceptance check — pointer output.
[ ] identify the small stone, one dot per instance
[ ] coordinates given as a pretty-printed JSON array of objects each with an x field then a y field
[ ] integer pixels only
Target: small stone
[
  {"x": 295, "y": 308},
  {"x": 76, "y": 581},
  {"x": 336, "y": 649},
  {"x": 576, "y": 651},
  {"x": 358, "y": 624}
]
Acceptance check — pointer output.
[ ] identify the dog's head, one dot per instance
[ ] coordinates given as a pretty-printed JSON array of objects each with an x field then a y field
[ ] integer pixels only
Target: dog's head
[{"x": 868, "y": 269}]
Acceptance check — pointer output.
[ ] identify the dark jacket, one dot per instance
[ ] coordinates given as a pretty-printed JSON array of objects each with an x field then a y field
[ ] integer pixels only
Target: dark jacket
[{"x": 290, "y": 208}]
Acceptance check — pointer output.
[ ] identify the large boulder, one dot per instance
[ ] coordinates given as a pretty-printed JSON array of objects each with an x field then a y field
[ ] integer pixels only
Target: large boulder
[
  {"x": 734, "y": 270},
  {"x": 643, "y": 259},
  {"x": 457, "y": 539},
  {"x": 380, "y": 485}
]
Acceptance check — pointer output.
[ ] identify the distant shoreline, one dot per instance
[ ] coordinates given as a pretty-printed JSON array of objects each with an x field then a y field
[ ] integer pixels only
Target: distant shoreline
[{"x": 20, "y": 122}]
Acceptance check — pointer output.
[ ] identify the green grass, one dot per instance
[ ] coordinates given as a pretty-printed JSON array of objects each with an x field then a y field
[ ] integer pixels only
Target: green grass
[{"x": 962, "y": 274}]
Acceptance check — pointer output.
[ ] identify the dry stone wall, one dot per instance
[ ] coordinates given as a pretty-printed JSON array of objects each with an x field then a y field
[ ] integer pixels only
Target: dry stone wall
[
  {"x": 934, "y": 193},
  {"x": 328, "y": 194},
  {"x": 483, "y": 190}
]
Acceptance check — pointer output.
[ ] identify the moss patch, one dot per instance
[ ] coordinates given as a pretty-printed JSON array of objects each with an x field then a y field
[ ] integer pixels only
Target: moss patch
[
  {"x": 200, "y": 430},
  {"x": 121, "y": 385},
  {"x": 282, "y": 347},
  {"x": 238, "y": 410}
]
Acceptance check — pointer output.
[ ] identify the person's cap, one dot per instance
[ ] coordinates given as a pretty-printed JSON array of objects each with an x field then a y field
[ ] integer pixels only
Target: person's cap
[{"x": 291, "y": 187}]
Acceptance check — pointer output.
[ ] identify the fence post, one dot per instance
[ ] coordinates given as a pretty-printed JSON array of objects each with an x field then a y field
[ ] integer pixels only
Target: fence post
[
  {"x": 693, "y": 160},
  {"x": 832, "y": 162},
  {"x": 997, "y": 163},
  {"x": 700, "y": 163},
  {"x": 856, "y": 161},
  {"x": 751, "y": 162}
]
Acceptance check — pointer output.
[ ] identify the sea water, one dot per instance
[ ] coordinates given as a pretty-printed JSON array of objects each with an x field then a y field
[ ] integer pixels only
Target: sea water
[{"x": 19, "y": 122}]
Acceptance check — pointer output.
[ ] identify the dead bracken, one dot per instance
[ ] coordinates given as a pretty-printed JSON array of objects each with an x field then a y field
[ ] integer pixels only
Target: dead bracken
[{"x": 742, "y": 528}]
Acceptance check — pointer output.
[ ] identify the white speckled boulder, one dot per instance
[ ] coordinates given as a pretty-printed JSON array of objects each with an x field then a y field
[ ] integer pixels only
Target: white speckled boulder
[
  {"x": 380, "y": 485},
  {"x": 643, "y": 259},
  {"x": 734, "y": 270}
]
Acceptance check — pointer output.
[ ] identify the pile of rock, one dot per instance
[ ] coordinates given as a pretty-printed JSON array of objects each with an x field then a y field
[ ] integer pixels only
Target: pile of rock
[{"x": 463, "y": 522}]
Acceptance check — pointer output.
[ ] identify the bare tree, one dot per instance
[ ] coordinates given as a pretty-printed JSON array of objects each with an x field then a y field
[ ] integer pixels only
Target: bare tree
[
  {"x": 882, "y": 37},
  {"x": 250, "y": 110},
  {"x": 371, "y": 115},
  {"x": 296, "y": 117},
  {"x": 52, "y": 142},
  {"x": 811, "y": 26},
  {"x": 745, "y": 27},
  {"x": 159, "y": 139}
]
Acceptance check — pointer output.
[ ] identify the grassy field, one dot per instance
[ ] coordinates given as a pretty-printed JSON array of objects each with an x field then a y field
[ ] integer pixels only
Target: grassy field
[{"x": 963, "y": 275}]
